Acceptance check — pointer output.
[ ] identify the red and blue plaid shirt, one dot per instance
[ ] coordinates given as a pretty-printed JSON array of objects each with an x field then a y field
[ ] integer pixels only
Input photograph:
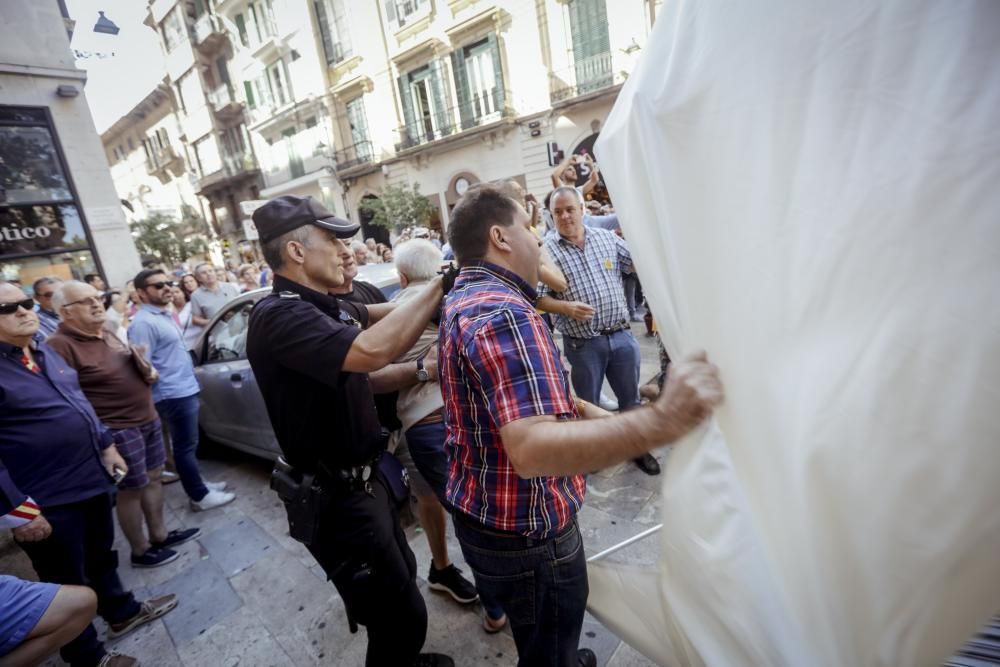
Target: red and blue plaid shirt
[{"x": 499, "y": 364}]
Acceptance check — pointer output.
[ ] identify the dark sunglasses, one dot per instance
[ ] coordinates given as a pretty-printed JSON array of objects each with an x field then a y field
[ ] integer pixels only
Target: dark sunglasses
[
  {"x": 11, "y": 308},
  {"x": 161, "y": 284}
]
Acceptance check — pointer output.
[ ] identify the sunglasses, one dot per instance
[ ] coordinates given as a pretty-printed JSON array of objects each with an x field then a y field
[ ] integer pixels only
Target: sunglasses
[
  {"x": 161, "y": 284},
  {"x": 11, "y": 308}
]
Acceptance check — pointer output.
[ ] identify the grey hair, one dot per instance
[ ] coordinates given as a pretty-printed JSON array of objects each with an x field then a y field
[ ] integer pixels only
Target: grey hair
[
  {"x": 358, "y": 245},
  {"x": 565, "y": 189},
  {"x": 272, "y": 250},
  {"x": 59, "y": 293},
  {"x": 417, "y": 259}
]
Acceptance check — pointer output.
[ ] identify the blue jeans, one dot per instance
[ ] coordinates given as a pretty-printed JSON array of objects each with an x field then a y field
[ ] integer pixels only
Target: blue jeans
[
  {"x": 540, "y": 583},
  {"x": 426, "y": 443},
  {"x": 616, "y": 356},
  {"x": 181, "y": 418}
]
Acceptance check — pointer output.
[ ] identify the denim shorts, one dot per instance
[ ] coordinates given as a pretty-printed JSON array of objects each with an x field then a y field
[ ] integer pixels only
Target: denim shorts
[{"x": 22, "y": 605}]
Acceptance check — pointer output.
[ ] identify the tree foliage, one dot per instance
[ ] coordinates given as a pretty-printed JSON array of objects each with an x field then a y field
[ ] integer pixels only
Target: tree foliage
[
  {"x": 169, "y": 240},
  {"x": 398, "y": 206}
]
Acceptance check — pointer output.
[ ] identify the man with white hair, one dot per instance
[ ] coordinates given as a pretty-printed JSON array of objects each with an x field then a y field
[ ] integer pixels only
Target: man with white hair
[
  {"x": 116, "y": 379},
  {"x": 360, "y": 251}
]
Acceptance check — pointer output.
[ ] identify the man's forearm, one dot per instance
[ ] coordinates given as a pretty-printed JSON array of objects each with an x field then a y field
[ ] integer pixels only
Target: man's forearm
[
  {"x": 394, "y": 377},
  {"x": 398, "y": 331},
  {"x": 551, "y": 305},
  {"x": 200, "y": 321},
  {"x": 378, "y": 311}
]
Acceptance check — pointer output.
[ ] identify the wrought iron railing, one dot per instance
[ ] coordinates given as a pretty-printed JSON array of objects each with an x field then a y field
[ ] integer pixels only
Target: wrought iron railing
[
  {"x": 362, "y": 152},
  {"x": 587, "y": 75},
  {"x": 222, "y": 96},
  {"x": 477, "y": 111}
]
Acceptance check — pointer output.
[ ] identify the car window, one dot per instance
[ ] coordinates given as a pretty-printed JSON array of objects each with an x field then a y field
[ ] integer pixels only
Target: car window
[{"x": 227, "y": 339}]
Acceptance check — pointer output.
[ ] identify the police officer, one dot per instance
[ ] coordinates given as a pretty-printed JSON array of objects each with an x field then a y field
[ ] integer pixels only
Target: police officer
[{"x": 312, "y": 363}]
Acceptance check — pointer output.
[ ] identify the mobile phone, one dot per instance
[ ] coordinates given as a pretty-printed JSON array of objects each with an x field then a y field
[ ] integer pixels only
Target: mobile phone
[{"x": 117, "y": 474}]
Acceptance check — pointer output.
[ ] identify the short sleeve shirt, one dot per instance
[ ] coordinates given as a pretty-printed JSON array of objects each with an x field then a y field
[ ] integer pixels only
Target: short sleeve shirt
[
  {"x": 296, "y": 344},
  {"x": 594, "y": 275},
  {"x": 499, "y": 364},
  {"x": 206, "y": 303}
]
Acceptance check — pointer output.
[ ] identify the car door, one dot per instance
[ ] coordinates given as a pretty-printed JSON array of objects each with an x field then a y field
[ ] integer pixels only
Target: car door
[{"x": 232, "y": 409}]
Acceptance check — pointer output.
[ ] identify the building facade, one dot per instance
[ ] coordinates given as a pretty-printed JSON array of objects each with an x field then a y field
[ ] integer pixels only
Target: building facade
[
  {"x": 339, "y": 99},
  {"x": 60, "y": 215}
]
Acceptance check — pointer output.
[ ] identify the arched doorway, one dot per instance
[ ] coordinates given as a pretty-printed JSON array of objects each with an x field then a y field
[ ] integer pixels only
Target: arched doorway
[{"x": 368, "y": 230}]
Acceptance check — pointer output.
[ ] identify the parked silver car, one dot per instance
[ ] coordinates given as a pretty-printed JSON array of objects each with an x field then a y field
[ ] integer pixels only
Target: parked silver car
[{"x": 232, "y": 410}]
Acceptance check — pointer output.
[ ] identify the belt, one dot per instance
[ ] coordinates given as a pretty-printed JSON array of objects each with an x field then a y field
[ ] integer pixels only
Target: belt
[
  {"x": 435, "y": 417},
  {"x": 357, "y": 476},
  {"x": 613, "y": 329}
]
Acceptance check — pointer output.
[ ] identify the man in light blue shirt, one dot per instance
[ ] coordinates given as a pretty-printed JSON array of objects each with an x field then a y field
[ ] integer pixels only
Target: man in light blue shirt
[{"x": 176, "y": 394}]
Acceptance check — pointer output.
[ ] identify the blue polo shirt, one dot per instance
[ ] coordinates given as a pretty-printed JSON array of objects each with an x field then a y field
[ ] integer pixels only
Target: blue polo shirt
[
  {"x": 51, "y": 442},
  {"x": 155, "y": 329}
]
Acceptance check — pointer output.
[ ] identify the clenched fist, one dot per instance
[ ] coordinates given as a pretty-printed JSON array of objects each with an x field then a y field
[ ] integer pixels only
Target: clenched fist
[
  {"x": 692, "y": 391},
  {"x": 35, "y": 530}
]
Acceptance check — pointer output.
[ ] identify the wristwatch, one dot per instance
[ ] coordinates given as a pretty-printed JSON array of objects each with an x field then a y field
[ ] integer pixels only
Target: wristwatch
[{"x": 422, "y": 375}]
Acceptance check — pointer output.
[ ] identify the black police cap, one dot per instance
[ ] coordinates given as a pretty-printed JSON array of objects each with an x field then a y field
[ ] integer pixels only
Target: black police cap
[{"x": 283, "y": 214}]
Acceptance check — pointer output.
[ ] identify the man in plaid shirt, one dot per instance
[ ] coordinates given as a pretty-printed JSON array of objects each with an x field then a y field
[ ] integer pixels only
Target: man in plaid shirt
[
  {"x": 517, "y": 450},
  {"x": 591, "y": 312}
]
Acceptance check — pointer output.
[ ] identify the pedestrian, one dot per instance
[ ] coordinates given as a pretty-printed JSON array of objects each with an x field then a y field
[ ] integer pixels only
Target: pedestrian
[
  {"x": 116, "y": 379},
  {"x": 181, "y": 304},
  {"x": 96, "y": 281},
  {"x": 312, "y": 363},
  {"x": 591, "y": 312},
  {"x": 57, "y": 466},
  {"x": 248, "y": 278},
  {"x": 36, "y": 619},
  {"x": 515, "y": 442},
  {"x": 566, "y": 173},
  {"x": 362, "y": 255},
  {"x": 48, "y": 319},
  {"x": 211, "y": 295},
  {"x": 387, "y": 256},
  {"x": 189, "y": 283},
  {"x": 175, "y": 394},
  {"x": 116, "y": 314}
]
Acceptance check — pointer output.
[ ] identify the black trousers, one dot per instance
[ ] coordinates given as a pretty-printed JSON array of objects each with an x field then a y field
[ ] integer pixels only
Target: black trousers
[
  {"x": 363, "y": 550},
  {"x": 79, "y": 552}
]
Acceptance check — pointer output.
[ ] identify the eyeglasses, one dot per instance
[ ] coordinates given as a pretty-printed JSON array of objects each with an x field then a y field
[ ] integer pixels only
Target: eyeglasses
[
  {"x": 11, "y": 308},
  {"x": 90, "y": 301},
  {"x": 161, "y": 284}
]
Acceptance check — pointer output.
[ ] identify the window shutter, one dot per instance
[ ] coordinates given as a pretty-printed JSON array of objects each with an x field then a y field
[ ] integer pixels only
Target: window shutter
[
  {"x": 462, "y": 88},
  {"x": 241, "y": 27},
  {"x": 443, "y": 116},
  {"x": 324, "y": 30},
  {"x": 410, "y": 132},
  {"x": 248, "y": 91},
  {"x": 499, "y": 93},
  {"x": 390, "y": 14},
  {"x": 591, "y": 45}
]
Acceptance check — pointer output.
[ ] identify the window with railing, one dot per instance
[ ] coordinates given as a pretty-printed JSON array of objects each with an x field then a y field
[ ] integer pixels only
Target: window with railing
[
  {"x": 424, "y": 108},
  {"x": 592, "y": 67},
  {"x": 479, "y": 82},
  {"x": 174, "y": 29},
  {"x": 400, "y": 13},
  {"x": 358, "y": 123},
  {"x": 261, "y": 25},
  {"x": 333, "y": 27}
]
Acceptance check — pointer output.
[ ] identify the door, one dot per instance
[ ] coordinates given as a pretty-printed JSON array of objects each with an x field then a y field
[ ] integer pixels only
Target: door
[{"x": 295, "y": 166}]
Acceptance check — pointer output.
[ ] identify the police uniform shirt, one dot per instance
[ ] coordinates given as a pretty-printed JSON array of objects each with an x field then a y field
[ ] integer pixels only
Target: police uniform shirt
[
  {"x": 361, "y": 293},
  {"x": 296, "y": 344}
]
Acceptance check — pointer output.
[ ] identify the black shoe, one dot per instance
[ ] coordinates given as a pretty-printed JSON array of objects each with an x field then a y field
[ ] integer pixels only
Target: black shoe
[
  {"x": 451, "y": 581},
  {"x": 439, "y": 660},
  {"x": 648, "y": 464},
  {"x": 586, "y": 658},
  {"x": 154, "y": 557},
  {"x": 175, "y": 537}
]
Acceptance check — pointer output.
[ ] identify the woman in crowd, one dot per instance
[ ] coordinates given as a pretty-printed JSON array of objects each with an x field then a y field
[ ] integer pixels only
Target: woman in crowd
[
  {"x": 116, "y": 314},
  {"x": 182, "y": 315},
  {"x": 189, "y": 284},
  {"x": 249, "y": 278}
]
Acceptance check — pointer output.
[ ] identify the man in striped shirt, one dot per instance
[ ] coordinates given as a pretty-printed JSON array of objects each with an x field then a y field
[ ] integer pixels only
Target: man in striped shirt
[
  {"x": 517, "y": 452},
  {"x": 591, "y": 312}
]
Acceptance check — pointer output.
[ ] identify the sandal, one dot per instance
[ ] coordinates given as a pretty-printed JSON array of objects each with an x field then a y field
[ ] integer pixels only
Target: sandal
[{"x": 491, "y": 626}]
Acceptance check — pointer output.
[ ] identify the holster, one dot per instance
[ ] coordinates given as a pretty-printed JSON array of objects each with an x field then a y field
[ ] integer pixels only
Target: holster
[{"x": 304, "y": 500}]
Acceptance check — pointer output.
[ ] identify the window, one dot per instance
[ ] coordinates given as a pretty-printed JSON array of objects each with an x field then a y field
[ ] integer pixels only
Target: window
[
  {"x": 206, "y": 153},
  {"x": 333, "y": 26},
  {"x": 248, "y": 91},
  {"x": 478, "y": 81},
  {"x": 276, "y": 77},
  {"x": 588, "y": 21},
  {"x": 400, "y": 13},
  {"x": 174, "y": 30},
  {"x": 227, "y": 339},
  {"x": 359, "y": 129},
  {"x": 241, "y": 27}
]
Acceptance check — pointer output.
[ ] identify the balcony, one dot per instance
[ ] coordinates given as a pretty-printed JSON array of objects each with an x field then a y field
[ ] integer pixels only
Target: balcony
[
  {"x": 586, "y": 76},
  {"x": 479, "y": 111},
  {"x": 233, "y": 167},
  {"x": 161, "y": 160},
  {"x": 361, "y": 153},
  {"x": 224, "y": 102},
  {"x": 209, "y": 34}
]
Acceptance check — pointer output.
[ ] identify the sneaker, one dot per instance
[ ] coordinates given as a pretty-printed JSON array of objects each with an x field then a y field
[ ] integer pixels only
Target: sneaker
[
  {"x": 167, "y": 477},
  {"x": 154, "y": 557},
  {"x": 648, "y": 464},
  {"x": 586, "y": 658},
  {"x": 609, "y": 404},
  {"x": 212, "y": 500},
  {"x": 433, "y": 660},
  {"x": 215, "y": 486},
  {"x": 116, "y": 659},
  {"x": 149, "y": 610},
  {"x": 175, "y": 537},
  {"x": 451, "y": 581}
]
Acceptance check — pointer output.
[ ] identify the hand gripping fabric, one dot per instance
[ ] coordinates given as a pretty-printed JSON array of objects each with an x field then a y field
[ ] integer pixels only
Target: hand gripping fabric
[{"x": 811, "y": 192}]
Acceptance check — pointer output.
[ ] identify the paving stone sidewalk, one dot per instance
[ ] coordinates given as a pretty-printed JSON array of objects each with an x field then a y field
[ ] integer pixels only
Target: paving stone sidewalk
[{"x": 250, "y": 595}]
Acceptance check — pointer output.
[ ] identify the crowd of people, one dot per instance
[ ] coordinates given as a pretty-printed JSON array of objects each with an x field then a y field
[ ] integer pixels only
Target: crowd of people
[{"x": 458, "y": 376}]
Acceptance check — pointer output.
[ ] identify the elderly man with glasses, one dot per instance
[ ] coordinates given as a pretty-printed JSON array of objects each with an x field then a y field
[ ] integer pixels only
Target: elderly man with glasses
[
  {"x": 175, "y": 395},
  {"x": 57, "y": 462}
]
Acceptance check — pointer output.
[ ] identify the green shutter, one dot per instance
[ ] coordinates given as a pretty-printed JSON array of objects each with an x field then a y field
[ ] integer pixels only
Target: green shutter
[
  {"x": 443, "y": 116},
  {"x": 462, "y": 89},
  {"x": 324, "y": 30},
  {"x": 591, "y": 44},
  {"x": 248, "y": 90},
  {"x": 390, "y": 13},
  {"x": 499, "y": 93},
  {"x": 241, "y": 26},
  {"x": 411, "y": 134}
]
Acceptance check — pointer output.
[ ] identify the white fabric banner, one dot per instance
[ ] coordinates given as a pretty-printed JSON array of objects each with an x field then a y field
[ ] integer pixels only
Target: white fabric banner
[{"x": 811, "y": 191}]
